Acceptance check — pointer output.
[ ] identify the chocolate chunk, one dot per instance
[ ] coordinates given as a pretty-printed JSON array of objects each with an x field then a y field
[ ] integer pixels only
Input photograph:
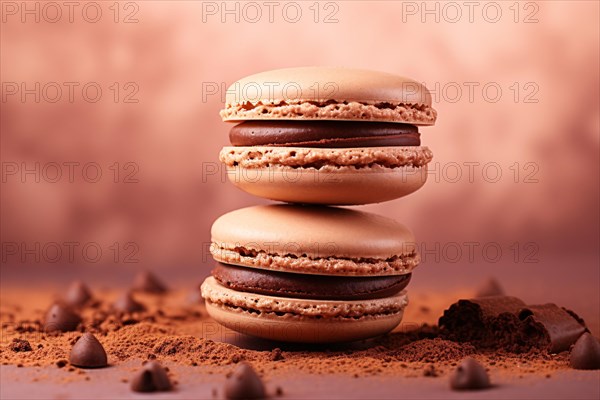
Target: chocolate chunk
[
  {"x": 88, "y": 353},
  {"x": 491, "y": 287},
  {"x": 147, "y": 282},
  {"x": 305, "y": 286},
  {"x": 152, "y": 378},
  {"x": 472, "y": 320},
  {"x": 244, "y": 383},
  {"x": 61, "y": 318},
  {"x": 324, "y": 134},
  {"x": 78, "y": 294},
  {"x": 586, "y": 353},
  {"x": 553, "y": 327},
  {"x": 127, "y": 304},
  {"x": 506, "y": 322},
  {"x": 19, "y": 345},
  {"x": 469, "y": 375}
]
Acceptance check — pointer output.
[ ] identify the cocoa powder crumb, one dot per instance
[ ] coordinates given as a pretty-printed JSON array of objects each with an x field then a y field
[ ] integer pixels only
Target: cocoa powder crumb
[
  {"x": 236, "y": 358},
  {"x": 433, "y": 350},
  {"x": 20, "y": 345}
]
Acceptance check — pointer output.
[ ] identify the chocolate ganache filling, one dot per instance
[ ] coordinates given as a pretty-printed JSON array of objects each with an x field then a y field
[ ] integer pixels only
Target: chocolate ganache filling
[
  {"x": 328, "y": 134},
  {"x": 305, "y": 286}
]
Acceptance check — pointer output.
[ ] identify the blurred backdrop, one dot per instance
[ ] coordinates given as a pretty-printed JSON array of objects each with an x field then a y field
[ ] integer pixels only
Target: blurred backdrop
[{"x": 111, "y": 130}]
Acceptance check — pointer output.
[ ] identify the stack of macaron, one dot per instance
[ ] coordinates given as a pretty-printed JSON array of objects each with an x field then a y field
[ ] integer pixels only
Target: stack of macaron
[{"x": 316, "y": 138}]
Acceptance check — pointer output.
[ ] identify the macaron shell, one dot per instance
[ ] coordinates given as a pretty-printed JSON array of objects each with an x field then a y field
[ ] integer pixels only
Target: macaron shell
[
  {"x": 303, "y": 331},
  {"x": 301, "y": 320},
  {"x": 401, "y": 265},
  {"x": 326, "y": 83},
  {"x": 214, "y": 292},
  {"x": 332, "y": 188},
  {"x": 344, "y": 176},
  {"x": 321, "y": 158},
  {"x": 343, "y": 111},
  {"x": 314, "y": 232},
  {"x": 329, "y": 93}
]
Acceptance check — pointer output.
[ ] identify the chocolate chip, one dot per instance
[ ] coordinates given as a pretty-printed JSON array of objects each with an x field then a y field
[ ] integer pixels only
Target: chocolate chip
[
  {"x": 61, "y": 318},
  {"x": 61, "y": 363},
  {"x": 88, "y": 353},
  {"x": 152, "y": 378},
  {"x": 147, "y": 282},
  {"x": 586, "y": 353},
  {"x": 244, "y": 383},
  {"x": 142, "y": 382},
  {"x": 78, "y": 294},
  {"x": 127, "y": 304},
  {"x": 276, "y": 355},
  {"x": 469, "y": 375},
  {"x": 18, "y": 345},
  {"x": 491, "y": 287}
]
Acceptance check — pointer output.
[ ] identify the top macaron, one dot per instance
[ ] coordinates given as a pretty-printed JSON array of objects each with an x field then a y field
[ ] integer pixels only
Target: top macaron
[
  {"x": 328, "y": 93},
  {"x": 324, "y": 135}
]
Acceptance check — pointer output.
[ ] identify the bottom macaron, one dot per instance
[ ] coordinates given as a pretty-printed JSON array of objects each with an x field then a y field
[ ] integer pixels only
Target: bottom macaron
[{"x": 302, "y": 320}]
